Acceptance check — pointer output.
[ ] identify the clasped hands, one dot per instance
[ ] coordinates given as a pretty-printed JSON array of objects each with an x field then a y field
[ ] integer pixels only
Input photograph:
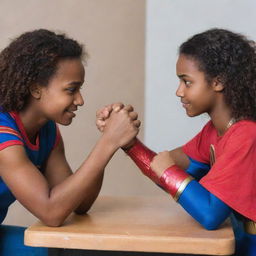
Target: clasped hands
[{"x": 121, "y": 123}]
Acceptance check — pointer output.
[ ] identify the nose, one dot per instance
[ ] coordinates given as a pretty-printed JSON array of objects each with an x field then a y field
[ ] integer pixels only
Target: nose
[
  {"x": 180, "y": 91},
  {"x": 78, "y": 99}
]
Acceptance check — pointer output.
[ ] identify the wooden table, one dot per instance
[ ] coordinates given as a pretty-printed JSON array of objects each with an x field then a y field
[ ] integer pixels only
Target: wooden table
[{"x": 142, "y": 224}]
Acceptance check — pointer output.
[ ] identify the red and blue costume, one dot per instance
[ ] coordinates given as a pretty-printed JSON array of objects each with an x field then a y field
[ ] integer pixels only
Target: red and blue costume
[
  {"x": 12, "y": 132},
  {"x": 219, "y": 181}
]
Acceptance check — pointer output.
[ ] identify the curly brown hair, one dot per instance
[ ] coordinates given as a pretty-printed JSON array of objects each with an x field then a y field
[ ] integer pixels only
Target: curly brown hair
[
  {"x": 231, "y": 58},
  {"x": 32, "y": 58}
]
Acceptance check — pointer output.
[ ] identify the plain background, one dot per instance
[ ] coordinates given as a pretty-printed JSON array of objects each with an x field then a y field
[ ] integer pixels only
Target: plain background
[{"x": 133, "y": 49}]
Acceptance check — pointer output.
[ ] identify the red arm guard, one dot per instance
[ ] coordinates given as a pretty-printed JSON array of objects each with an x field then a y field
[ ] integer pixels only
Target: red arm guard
[
  {"x": 142, "y": 156},
  {"x": 174, "y": 180}
]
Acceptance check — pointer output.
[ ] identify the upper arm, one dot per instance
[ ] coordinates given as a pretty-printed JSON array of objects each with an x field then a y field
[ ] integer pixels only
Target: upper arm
[
  {"x": 56, "y": 167},
  {"x": 23, "y": 178}
]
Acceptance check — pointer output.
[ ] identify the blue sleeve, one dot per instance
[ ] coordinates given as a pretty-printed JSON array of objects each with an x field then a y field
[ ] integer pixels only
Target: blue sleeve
[
  {"x": 6, "y": 137},
  {"x": 203, "y": 206},
  {"x": 197, "y": 169},
  {"x": 9, "y": 132}
]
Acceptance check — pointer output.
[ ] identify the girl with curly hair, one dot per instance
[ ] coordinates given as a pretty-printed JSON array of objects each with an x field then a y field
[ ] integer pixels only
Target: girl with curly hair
[
  {"x": 41, "y": 74},
  {"x": 213, "y": 175}
]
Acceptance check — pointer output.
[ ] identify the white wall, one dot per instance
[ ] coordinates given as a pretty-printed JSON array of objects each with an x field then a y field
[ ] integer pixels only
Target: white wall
[{"x": 169, "y": 23}]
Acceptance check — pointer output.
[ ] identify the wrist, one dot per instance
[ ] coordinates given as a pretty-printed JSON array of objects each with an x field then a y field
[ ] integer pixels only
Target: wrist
[
  {"x": 175, "y": 180},
  {"x": 110, "y": 143},
  {"x": 128, "y": 146}
]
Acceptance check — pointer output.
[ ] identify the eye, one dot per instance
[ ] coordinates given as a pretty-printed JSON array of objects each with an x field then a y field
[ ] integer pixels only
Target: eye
[
  {"x": 186, "y": 82},
  {"x": 71, "y": 89}
]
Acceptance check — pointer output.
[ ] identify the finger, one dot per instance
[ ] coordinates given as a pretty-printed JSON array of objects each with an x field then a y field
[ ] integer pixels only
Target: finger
[
  {"x": 106, "y": 113},
  {"x": 108, "y": 107},
  {"x": 100, "y": 123},
  {"x": 99, "y": 113},
  {"x": 137, "y": 123},
  {"x": 129, "y": 108},
  {"x": 100, "y": 127},
  {"x": 117, "y": 106},
  {"x": 124, "y": 111},
  {"x": 133, "y": 115}
]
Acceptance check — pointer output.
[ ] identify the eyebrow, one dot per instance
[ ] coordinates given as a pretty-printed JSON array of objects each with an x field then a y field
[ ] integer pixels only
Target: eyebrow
[
  {"x": 76, "y": 83},
  {"x": 183, "y": 75}
]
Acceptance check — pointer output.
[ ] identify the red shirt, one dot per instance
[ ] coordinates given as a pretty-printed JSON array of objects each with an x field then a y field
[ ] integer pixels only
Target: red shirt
[{"x": 232, "y": 176}]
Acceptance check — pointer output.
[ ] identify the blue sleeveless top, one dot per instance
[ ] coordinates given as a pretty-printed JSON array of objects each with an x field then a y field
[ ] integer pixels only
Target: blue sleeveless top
[{"x": 12, "y": 132}]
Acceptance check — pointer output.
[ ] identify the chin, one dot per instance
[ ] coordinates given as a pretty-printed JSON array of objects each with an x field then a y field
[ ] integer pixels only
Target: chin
[
  {"x": 190, "y": 114},
  {"x": 65, "y": 122}
]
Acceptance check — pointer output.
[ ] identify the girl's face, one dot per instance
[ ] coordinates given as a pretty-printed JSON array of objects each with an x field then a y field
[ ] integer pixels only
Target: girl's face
[
  {"x": 61, "y": 97},
  {"x": 196, "y": 94}
]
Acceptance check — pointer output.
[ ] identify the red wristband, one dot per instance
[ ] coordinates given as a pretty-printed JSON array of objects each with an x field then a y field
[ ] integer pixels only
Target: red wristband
[
  {"x": 142, "y": 156},
  {"x": 174, "y": 180}
]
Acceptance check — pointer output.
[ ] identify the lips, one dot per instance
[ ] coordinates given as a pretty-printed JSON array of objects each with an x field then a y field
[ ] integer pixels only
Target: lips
[
  {"x": 71, "y": 112},
  {"x": 185, "y": 104}
]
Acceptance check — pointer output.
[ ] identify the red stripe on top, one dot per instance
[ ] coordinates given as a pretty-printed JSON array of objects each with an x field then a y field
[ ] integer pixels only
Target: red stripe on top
[
  {"x": 21, "y": 127},
  {"x": 10, "y": 143},
  {"x": 58, "y": 137}
]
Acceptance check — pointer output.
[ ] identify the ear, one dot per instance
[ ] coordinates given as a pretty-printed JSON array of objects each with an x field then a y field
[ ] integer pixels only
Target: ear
[
  {"x": 217, "y": 85},
  {"x": 35, "y": 91}
]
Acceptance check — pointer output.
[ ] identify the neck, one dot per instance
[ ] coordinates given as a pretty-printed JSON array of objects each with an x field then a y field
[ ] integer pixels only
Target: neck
[
  {"x": 32, "y": 122},
  {"x": 221, "y": 117}
]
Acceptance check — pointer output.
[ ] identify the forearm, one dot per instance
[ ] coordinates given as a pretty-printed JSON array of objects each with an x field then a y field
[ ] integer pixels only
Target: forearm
[
  {"x": 203, "y": 206},
  {"x": 89, "y": 198},
  {"x": 77, "y": 191},
  {"x": 142, "y": 157}
]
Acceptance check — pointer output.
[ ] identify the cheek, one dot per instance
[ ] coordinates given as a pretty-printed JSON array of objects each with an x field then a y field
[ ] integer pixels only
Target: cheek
[
  {"x": 203, "y": 93},
  {"x": 207, "y": 100},
  {"x": 53, "y": 103},
  {"x": 201, "y": 100}
]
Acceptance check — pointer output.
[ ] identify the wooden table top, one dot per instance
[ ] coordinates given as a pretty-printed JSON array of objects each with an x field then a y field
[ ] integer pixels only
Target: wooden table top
[{"x": 148, "y": 224}]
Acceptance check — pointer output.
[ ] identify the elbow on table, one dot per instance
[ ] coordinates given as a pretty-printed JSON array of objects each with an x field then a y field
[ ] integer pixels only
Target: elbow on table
[
  {"x": 58, "y": 220},
  {"x": 81, "y": 212},
  {"x": 52, "y": 222},
  {"x": 210, "y": 223},
  {"x": 84, "y": 208},
  {"x": 53, "y": 219}
]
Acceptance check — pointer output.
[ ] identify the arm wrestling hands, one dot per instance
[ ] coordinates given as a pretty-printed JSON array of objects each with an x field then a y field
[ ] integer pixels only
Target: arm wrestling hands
[
  {"x": 160, "y": 162},
  {"x": 107, "y": 116}
]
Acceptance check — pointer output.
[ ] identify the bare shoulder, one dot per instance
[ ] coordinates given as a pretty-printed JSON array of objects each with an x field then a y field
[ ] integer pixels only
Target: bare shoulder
[{"x": 12, "y": 156}]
